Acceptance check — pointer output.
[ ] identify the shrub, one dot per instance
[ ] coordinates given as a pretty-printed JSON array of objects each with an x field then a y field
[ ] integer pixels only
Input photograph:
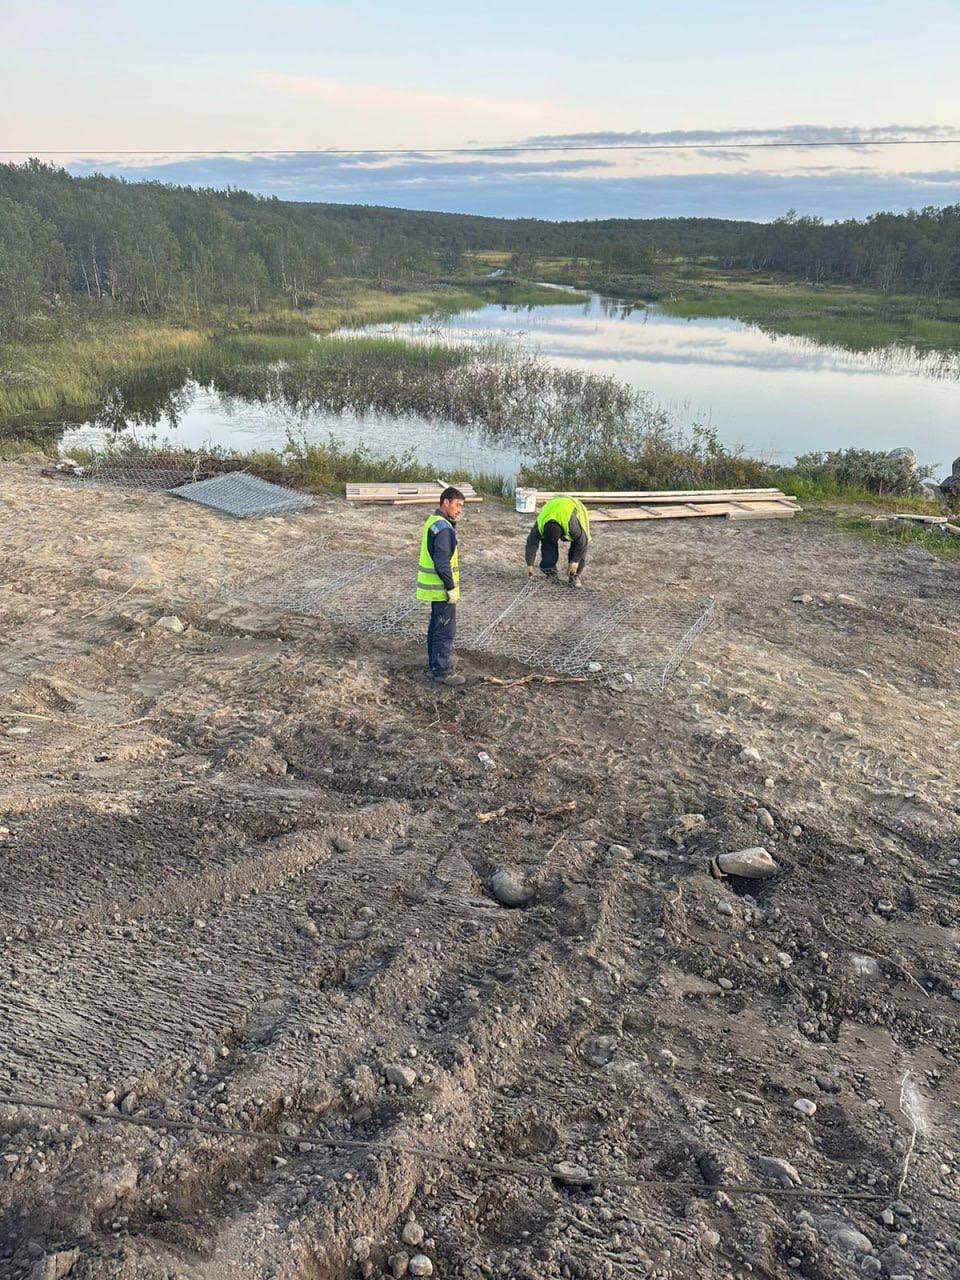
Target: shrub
[{"x": 894, "y": 472}]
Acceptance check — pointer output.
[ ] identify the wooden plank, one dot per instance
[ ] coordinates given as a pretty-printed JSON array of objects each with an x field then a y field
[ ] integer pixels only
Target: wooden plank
[
  {"x": 543, "y": 494},
  {"x": 426, "y": 491},
  {"x": 653, "y": 511},
  {"x": 918, "y": 519},
  {"x": 764, "y": 511},
  {"x": 759, "y": 510},
  {"x": 420, "y": 502},
  {"x": 667, "y": 495},
  {"x": 755, "y": 503}
]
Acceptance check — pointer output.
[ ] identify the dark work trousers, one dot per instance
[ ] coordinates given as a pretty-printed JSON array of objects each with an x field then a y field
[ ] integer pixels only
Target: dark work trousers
[
  {"x": 440, "y": 633},
  {"x": 550, "y": 554}
]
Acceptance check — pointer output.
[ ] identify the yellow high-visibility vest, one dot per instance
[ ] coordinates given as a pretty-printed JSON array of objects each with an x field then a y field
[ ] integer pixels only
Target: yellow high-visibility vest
[
  {"x": 429, "y": 583},
  {"x": 561, "y": 509}
]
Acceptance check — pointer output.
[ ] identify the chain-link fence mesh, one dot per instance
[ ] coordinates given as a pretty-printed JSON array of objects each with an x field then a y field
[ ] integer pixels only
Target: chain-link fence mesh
[
  {"x": 92, "y": 458},
  {"x": 239, "y": 494},
  {"x": 212, "y": 480},
  {"x": 543, "y": 625}
]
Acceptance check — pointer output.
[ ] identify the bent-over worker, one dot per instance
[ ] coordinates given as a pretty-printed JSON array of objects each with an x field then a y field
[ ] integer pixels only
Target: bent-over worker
[
  {"x": 438, "y": 581},
  {"x": 561, "y": 519}
]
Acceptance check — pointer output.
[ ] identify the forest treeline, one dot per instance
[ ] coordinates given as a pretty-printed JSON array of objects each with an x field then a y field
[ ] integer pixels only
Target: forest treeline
[{"x": 160, "y": 248}]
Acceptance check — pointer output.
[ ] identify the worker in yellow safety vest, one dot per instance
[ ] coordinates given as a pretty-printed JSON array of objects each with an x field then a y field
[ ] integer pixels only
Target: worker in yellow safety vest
[
  {"x": 438, "y": 582},
  {"x": 561, "y": 519}
]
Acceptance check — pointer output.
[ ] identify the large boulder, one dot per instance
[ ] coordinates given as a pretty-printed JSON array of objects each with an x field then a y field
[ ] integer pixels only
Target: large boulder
[
  {"x": 904, "y": 458},
  {"x": 951, "y": 486}
]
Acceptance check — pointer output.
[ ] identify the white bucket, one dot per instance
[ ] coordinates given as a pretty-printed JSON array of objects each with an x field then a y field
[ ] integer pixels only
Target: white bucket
[{"x": 526, "y": 501}]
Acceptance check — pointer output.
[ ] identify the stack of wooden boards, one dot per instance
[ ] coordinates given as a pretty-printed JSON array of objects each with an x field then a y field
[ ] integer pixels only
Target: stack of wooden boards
[
  {"x": 677, "y": 504},
  {"x": 426, "y": 493}
]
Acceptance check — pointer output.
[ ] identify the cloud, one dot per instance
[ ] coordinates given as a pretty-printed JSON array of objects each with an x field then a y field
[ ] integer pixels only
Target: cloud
[
  {"x": 376, "y": 99},
  {"x": 551, "y": 187},
  {"x": 796, "y": 135}
]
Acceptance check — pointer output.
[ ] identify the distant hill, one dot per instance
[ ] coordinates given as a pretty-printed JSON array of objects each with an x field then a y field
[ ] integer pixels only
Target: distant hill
[{"x": 153, "y": 247}]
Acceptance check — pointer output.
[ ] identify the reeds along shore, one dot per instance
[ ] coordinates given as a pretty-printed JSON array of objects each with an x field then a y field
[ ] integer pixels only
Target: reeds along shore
[
  {"x": 72, "y": 358},
  {"x": 576, "y": 429}
]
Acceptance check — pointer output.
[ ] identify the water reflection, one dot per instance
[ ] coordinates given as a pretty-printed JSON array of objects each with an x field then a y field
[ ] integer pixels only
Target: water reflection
[
  {"x": 773, "y": 395},
  {"x": 140, "y": 403}
]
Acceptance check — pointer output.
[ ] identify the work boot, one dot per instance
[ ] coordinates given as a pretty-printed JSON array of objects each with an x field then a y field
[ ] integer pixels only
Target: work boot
[{"x": 451, "y": 681}]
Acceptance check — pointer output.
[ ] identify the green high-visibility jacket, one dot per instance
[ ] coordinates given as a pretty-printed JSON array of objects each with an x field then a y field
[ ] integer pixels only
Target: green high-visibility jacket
[
  {"x": 429, "y": 583},
  {"x": 561, "y": 509}
]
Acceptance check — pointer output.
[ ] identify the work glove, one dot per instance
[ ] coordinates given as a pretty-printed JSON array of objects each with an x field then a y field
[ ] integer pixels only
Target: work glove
[
  {"x": 530, "y": 570},
  {"x": 573, "y": 570},
  {"x": 453, "y": 596}
]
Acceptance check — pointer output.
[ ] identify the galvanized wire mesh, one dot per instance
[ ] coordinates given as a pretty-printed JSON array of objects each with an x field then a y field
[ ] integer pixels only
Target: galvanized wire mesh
[
  {"x": 213, "y": 480},
  {"x": 242, "y": 495},
  {"x": 539, "y": 624},
  {"x": 127, "y": 463}
]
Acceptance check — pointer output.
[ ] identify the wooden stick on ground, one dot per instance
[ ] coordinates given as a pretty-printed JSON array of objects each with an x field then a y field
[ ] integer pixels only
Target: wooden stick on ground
[
  {"x": 911, "y": 1116},
  {"x": 528, "y": 809},
  {"x": 543, "y": 679},
  {"x": 95, "y": 725}
]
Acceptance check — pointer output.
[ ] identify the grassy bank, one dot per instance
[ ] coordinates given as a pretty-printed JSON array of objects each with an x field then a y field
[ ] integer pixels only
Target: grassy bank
[
  {"x": 72, "y": 359},
  {"x": 839, "y": 315},
  {"x": 889, "y": 534},
  {"x": 858, "y": 319},
  {"x": 585, "y": 431},
  {"x": 320, "y": 467},
  {"x": 324, "y": 467}
]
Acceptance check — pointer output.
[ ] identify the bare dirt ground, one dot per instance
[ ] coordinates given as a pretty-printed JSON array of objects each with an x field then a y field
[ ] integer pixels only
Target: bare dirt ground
[{"x": 243, "y": 884}]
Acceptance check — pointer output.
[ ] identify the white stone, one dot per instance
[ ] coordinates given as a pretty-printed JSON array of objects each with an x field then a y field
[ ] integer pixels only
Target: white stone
[
  {"x": 399, "y": 1074},
  {"x": 754, "y": 863},
  {"x": 780, "y": 1170},
  {"x": 571, "y": 1175},
  {"x": 865, "y": 966},
  {"x": 412, "y": 1233},
  {"x": 509, "y": 889},
  {"x": 169, "y": 623}
]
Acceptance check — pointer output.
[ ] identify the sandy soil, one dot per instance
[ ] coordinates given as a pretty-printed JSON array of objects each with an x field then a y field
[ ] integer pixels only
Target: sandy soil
[{"x": 243, "y": 883}]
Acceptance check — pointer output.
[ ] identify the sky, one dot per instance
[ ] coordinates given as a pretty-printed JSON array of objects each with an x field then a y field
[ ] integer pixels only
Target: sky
[{"x": 154, "y": 90}]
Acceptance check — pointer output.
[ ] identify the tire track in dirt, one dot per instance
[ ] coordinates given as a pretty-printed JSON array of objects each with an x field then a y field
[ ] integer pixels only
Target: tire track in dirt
[{"x": 591, "y": 1025}]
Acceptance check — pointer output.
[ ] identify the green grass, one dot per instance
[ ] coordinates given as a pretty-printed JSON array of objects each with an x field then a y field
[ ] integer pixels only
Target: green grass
[
  {"x": 310, "y": 466},
  {"x": 818, "y": 489},
  {"x": 20, "y": 446},
  {"x": 73, "y": 359},
  {"x": 839, "y": 315},
  {"x": 326, "y": 466},
  {"x": 659, "y": 460},
  {"x": 858, "y": 319},
  {"x": 895, "y": 534}
]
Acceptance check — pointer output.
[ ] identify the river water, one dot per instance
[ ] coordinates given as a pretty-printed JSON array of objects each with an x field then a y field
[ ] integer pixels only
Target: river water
[{"x": 772, "y": 396}]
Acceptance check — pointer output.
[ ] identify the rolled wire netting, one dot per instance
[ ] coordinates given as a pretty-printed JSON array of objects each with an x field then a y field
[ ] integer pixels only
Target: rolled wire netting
[
  {"x": 539, "y": 624},
  {"x": 126, "y": 462}
]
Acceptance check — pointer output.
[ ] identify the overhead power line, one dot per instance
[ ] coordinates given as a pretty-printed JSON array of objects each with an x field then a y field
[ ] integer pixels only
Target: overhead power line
[{"x": 508, "y": 149}]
